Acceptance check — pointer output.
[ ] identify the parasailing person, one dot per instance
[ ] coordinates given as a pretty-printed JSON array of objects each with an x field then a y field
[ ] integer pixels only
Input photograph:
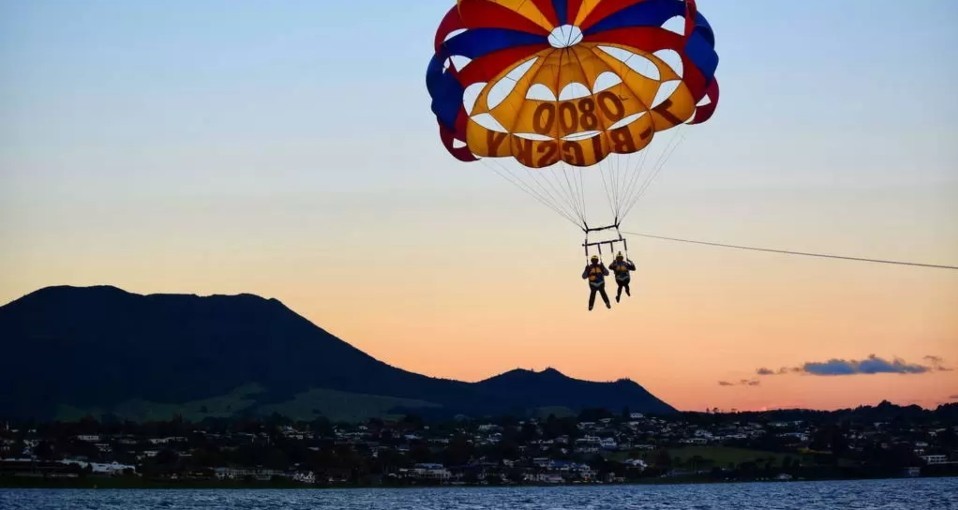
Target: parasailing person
[
  {"x": 555, "y": 95},
  {"x": 596, "y": 272},
  {"x": 622, "y": 267}
]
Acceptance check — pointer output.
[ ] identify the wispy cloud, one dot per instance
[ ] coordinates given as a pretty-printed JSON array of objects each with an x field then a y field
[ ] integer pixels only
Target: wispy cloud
[
  {"x": 782, "y": 371},
  {"x": 954, "y": 397},
  {"x": 871, "y": 365},
  {"x": 937, "y": 363},
  {"x": 742, "y": 382}
]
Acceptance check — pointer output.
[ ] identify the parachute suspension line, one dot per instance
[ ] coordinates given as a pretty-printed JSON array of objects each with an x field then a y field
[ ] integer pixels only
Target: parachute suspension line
[
  {"x": 571, "y": 195},
  {"x": 609, "y": 195},
  {"x": 607, "y": 173},
  {"x": 567, "y": 198},
  {"x": 634, "y": 174},
  {"x": 622, "y": 167},
  {"x": 634, "y": 179},
  {"x": 603, "y": 164},
  {"x": 534, "y": 186},
  {"x": 656, "y": 170},
  {"x": 536, "y": 179},
  {"x": 637, "y": 190},
  {"x": 580, "y": 173},
  {"x": 542, "y": 178},
  {"x": 617, "y": 181},
  {"x": 798, "y": 253},
  {"x": 659, "y": 169},
  {"x": 507, "y": 175},
  {"x": 576, "y": 188},
  {"x": 562, "y": 198},
  {"x": 637, "y": 178},
  {"x": 556, "y": 185},
  {"x": 621, "y": 171},
  {"x": 627, "y": 178}
]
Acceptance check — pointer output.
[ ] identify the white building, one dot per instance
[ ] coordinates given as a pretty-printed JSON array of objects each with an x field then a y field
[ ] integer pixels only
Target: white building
[
  {"x": 608, "y": 443},
  {"x": 225, "y": 473},
  {"x": 113, "y": 468},
  {"x": 431, "y": 472},
  {"x": 546, "y": 478},
  {"x": 307, "y": 477}
]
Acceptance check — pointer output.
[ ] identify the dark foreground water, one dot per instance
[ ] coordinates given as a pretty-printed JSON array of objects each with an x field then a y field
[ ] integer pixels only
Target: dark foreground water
[{"x": 912, "y": 494}]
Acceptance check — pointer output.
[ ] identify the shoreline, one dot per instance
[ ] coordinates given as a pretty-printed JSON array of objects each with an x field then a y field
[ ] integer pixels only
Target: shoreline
[{"x": 107, "y": 483}]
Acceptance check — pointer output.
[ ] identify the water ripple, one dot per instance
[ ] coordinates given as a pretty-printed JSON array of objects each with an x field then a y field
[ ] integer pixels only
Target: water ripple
[{"x": 912, "y": 494}]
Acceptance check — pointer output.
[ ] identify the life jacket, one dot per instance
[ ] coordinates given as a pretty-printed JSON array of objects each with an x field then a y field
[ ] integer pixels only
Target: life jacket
[
  {"x": 621, "y": 270},
  {"x": 595, "y": 274}
]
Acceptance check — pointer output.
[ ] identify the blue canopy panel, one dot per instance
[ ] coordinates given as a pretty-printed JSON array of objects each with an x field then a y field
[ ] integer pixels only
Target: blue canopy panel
[
  {"x": 562, "y": 11},
  {"x": 700, "y": 45},
  {"x": 446, "y": 90}
]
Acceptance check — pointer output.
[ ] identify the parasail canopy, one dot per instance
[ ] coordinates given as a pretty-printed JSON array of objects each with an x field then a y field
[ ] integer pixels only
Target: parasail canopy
[{"x": 554, "y": 84}]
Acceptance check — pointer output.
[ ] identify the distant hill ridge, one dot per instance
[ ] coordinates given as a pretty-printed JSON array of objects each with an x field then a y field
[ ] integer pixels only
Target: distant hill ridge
[{"x": 74, "y": 351}]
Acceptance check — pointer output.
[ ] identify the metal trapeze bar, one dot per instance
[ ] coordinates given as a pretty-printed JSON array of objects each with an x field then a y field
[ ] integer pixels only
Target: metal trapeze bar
[
  {"x": 600, "y": 229},
  {"x": 600, "y": 243}
]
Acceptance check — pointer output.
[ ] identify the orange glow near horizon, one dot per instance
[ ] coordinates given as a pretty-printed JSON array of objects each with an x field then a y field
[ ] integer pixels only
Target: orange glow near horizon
[{"x": 468, "y": 310}]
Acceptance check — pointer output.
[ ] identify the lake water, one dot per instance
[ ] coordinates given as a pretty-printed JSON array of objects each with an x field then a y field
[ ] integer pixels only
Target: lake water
[{"x": 906, "y": 494}]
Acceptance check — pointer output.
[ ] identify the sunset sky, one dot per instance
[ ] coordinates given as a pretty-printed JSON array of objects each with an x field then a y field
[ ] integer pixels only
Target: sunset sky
[{"x": 287, "y": 149}]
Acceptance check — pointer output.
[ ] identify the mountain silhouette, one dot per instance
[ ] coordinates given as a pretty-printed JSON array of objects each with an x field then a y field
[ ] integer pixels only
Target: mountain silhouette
[{"x": 100, "y": 350}]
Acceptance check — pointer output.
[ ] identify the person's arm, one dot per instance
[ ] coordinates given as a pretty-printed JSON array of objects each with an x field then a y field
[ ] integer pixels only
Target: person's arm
[
  {"x": 605, "y": 272},
  {"x": 585, "y": 274},
  {"x": 631, "y": 266}
]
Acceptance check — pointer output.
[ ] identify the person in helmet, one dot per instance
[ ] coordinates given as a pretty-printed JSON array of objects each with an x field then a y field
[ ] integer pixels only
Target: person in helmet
[
  {"x": 596, "y": 272},
  {"x": 622, "y": 268}
]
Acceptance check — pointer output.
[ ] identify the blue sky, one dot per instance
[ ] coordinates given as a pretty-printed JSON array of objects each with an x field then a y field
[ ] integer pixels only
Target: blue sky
[
  {"x": 856, "y": 83},
  {"x": 158, "y": 103}
]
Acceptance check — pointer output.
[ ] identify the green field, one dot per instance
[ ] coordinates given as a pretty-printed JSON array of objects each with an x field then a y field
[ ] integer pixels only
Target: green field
[
  {"x": 221, "y": 406},
  {"x": 341, "y": 406},
  {"x": 309, "y": 405}
]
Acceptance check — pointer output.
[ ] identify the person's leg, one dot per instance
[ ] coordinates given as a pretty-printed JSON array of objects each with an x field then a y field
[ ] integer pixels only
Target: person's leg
[
  {"x": 627, "y": 291},
  {"x": 618, "y": 293},
  {"x": 591, "y": 297},
  {"x": 605, "y": 297}
]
